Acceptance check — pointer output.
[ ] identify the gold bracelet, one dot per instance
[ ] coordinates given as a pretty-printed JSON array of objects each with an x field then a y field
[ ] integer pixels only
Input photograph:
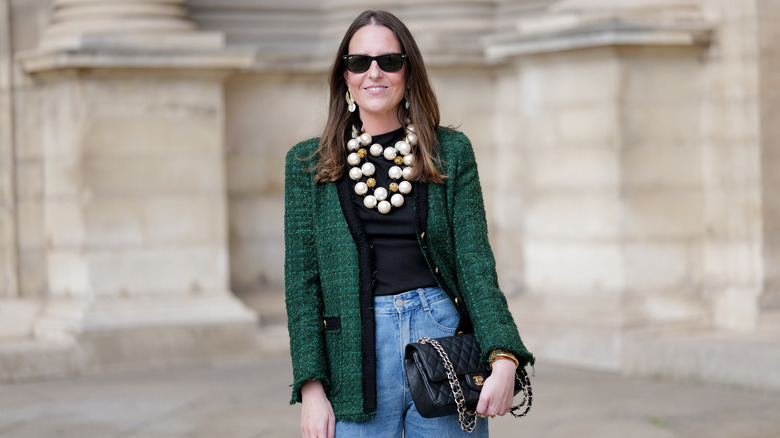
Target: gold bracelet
[
  {"x": 500, "y": 354},
  {"x": 495, "y": 353}
]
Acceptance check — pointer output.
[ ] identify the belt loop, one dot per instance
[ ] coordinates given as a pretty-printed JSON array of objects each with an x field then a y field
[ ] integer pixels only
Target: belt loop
[{"x": 423, "y": 301}]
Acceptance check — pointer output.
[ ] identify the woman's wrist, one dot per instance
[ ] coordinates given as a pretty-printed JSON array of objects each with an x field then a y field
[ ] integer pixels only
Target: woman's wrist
[
  {"x": 312, "y": 387},
  {"x": 503, "y": 367}
]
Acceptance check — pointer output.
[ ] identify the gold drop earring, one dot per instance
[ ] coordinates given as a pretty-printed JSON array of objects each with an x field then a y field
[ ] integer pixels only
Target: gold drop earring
[{"x": 350, "y": 102}]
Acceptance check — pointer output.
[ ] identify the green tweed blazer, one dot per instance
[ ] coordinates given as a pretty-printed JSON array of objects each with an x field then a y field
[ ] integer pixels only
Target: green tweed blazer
[{"x": 328, "y": 289}]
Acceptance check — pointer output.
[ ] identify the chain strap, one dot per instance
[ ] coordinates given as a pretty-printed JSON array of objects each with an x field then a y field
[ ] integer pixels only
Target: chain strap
[
  {"x": 469, "y": 421},
  {"x": 528, "y": 395}
]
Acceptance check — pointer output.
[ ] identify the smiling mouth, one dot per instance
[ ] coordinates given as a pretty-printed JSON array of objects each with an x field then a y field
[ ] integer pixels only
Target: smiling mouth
[{"x": 375, "y": 88}]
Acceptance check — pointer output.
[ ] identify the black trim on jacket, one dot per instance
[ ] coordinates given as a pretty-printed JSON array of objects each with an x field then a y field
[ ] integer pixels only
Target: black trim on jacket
[{"x": 368, "y": 326}]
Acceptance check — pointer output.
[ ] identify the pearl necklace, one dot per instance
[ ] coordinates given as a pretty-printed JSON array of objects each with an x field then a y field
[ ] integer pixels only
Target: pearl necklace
[{"x": 400, "y": 154}]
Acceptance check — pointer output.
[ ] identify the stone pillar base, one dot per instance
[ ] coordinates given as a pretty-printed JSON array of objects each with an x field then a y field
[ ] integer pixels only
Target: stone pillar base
[
  {"x": 706, "y": 355},
  {"x": 603, "y": 324},
  {"x": 132, "y": 333}
]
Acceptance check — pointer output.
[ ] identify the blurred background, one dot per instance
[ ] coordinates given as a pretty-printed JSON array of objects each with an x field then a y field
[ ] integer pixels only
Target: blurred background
[{"x": 625, "y": 150}]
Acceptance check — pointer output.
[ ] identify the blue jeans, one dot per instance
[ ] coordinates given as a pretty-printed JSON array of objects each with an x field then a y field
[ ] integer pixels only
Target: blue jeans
[{"x": 401, "y": 319}]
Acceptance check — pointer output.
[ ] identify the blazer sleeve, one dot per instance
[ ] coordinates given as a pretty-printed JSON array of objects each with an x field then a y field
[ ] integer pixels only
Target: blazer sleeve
[
  {"x": 476, "y": 267},
  {"x": 303, "y": 295}
]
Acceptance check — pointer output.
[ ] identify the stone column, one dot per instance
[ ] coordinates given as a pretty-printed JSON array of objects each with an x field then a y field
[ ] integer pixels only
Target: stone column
[
  {"x": 768, "y": 12},
  {"x": 134, "y": 186},
  {"x": 735, "y": 219},
  {"x": 8, "y": 246},
  {"x": 607, "y": 135}
]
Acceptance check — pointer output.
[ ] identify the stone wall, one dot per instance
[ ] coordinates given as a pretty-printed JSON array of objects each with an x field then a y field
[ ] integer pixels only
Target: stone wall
[
  {"x": 625, "y": 148},
  {"x": 768, "y": 52},
  {"x": 267, "y": 113}
]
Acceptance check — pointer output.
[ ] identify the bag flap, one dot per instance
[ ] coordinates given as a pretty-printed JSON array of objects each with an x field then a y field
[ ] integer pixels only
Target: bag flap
[{"x": 462, "y": 350}]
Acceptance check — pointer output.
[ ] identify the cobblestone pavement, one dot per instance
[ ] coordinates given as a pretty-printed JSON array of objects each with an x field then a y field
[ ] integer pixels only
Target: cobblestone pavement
[{"x": 249, "y": 400}]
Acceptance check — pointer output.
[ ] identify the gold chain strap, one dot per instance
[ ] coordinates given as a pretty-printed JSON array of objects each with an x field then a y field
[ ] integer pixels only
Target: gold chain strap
[{"x": 468, "y": 422}]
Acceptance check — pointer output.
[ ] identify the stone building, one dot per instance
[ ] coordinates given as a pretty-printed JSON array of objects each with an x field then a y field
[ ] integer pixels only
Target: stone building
[{"x": 626, "y": 150}]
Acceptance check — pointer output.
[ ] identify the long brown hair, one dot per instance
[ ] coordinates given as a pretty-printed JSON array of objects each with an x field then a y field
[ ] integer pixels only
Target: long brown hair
[{"x": 423, "y": 110}]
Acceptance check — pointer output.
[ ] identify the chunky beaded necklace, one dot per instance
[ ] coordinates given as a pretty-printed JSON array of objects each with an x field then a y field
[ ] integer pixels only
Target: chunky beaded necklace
[{"x": 400, "y": 154}]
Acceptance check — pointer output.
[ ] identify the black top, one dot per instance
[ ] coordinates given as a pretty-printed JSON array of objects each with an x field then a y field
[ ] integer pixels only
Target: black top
[{"x": 399, "y": 264}]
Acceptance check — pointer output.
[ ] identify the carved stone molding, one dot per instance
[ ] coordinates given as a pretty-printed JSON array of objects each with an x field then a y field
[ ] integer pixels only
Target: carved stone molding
[
  {"x": 78, "y": 24},
  {"x": 580, "y": 24},
  {"x": 303, "y": 35},
  {"x": 128, "y": 33}
]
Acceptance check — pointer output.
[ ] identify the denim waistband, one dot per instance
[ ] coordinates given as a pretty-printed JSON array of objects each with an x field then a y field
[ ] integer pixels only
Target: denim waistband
[{"x": 409, "y": 300}]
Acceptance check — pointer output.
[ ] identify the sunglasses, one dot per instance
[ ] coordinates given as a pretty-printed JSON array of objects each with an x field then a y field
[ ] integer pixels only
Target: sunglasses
[{"x": 389, "y": 63}]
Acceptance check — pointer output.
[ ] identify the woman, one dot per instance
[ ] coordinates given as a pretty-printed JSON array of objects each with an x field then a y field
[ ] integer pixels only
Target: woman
[{"x": 384, "y": 217}]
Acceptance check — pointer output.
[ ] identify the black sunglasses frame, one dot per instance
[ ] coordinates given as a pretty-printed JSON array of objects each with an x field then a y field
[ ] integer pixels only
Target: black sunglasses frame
[{"x": 381, "y": 60}]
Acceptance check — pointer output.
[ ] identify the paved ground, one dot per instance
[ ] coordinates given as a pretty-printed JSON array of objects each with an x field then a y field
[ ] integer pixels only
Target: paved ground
[{"x": 249, "y": 400}]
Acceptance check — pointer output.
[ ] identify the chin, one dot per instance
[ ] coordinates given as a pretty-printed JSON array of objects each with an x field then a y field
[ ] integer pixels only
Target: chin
[{"x": 379, "y": 108}]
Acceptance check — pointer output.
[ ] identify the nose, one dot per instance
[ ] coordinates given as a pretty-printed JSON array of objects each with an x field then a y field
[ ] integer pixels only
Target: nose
[{"x": 373, "y": 69}]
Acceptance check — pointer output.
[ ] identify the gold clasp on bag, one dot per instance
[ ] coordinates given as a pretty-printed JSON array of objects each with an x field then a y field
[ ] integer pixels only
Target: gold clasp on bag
[{"x": 479, "y": 381}]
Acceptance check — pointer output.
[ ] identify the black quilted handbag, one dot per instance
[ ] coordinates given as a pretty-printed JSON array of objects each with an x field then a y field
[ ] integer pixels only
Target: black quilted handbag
[{"x": 445, "y": 377}]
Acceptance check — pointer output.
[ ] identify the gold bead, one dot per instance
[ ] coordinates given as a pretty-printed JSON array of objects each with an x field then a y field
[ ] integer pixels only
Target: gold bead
[
  {"x": 393, "y": 187},
  {"x": 362, "y": 152},
  {"x": 399, "y": 160},
  {"x": 371, "y": 182}
]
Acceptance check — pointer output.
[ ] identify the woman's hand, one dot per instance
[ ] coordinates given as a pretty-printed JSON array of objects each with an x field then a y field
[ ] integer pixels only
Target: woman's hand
[
  {"x": 317, "y": 419},
  {"x": 497, "y": 394}
]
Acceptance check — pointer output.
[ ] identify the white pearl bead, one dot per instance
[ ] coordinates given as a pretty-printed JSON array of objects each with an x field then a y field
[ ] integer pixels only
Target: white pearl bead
[
  {"x": 395, "y": 172},
  {"x": 361, "y": 188},
  {"x": 384, "y": 207},
  {"x": 403, "y": 147},
  {"x": 379, "y": 197},
  {"x": 355, "y": 173},
  {"x": 380, "y": 193},
  {"x": 368, "y": 169}
]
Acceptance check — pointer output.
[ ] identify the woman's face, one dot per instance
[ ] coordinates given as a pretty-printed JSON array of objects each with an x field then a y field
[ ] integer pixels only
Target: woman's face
[{"x": 377, "y": 93}]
